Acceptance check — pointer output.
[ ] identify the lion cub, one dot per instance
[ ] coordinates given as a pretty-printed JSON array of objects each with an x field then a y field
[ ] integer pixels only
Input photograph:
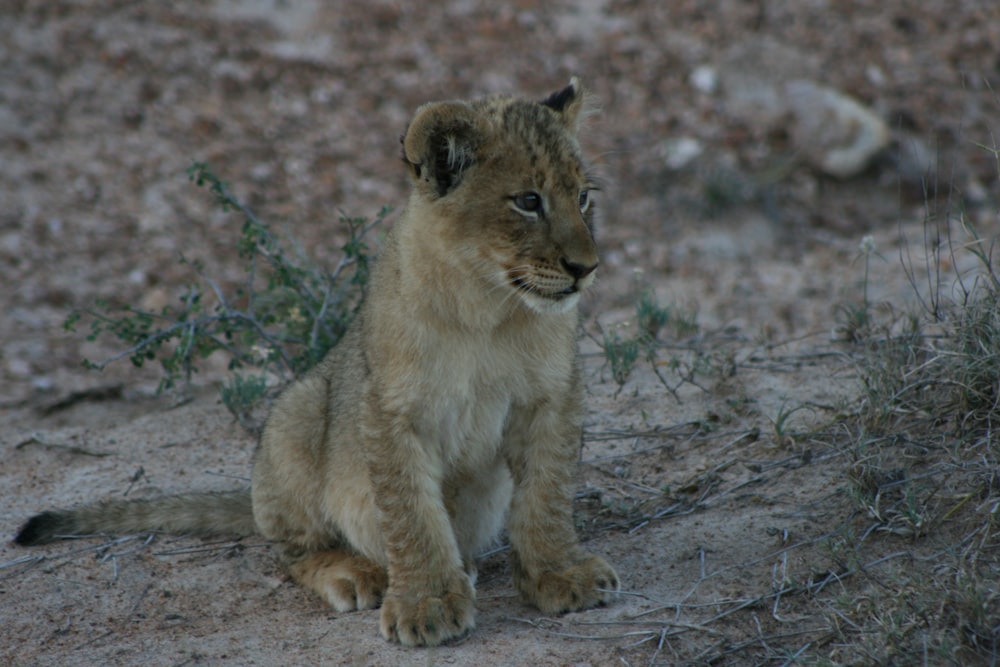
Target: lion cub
[{"x": 452, "y": 403}]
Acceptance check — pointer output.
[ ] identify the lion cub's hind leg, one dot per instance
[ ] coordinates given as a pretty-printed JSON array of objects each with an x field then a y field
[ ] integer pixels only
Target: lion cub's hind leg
[{"x": 345, "y": 580}]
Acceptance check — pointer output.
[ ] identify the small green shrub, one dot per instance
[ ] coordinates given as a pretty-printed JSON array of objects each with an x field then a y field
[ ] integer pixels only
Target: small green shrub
[
  {"x": 653, "y": 320},
  {"x": 283, "y": 319},
  {"x": 621, "y": 353},
  {"x": 653, "y": 317},
  {"x": 241, "y": 394}
]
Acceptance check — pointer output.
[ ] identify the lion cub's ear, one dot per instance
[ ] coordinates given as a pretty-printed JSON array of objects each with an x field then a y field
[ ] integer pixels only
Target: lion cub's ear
[
  {"x": 441, "y": 144},
  {"x": 571, "y": 103}
]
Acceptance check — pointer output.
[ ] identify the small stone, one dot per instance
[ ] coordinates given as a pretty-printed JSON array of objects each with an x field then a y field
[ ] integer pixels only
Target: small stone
[
  {"x": 680, "y": 152},
  {"x": 18, "y": 368},
  {"x": 705, "y": 79}
]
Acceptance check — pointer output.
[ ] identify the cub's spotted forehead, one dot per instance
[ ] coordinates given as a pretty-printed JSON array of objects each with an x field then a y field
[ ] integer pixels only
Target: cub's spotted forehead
[
  {"x": 528, "y": 121},
  {"x": 537, "y": 134}
]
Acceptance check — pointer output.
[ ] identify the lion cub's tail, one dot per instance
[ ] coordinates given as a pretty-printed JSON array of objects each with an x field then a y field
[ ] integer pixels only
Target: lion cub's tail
[{"x": 226, "y": 513}]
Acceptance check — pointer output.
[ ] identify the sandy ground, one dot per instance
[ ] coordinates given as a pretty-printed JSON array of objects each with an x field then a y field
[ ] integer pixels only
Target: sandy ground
[{"x": 699, "y": 494}]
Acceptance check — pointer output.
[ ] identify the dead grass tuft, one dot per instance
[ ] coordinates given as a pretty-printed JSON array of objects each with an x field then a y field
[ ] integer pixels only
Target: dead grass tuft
[{"x": 925, "y": 464}]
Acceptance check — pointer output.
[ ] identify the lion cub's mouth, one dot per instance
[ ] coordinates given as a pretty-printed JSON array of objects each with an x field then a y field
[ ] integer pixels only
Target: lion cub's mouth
[
  {"x": 521, "y": 283},
  {"x": 572, "y": 289}
]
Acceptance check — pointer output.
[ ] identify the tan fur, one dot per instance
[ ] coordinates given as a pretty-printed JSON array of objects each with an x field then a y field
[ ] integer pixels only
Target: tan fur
[{"x": 454, "y": 400}]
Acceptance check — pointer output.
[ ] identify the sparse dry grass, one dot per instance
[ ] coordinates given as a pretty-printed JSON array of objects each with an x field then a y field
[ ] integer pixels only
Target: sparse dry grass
[
  {"x": 908, "y": 570},
  {"x": 925, "y": 467},
  {"x": 928, "y": 481}
]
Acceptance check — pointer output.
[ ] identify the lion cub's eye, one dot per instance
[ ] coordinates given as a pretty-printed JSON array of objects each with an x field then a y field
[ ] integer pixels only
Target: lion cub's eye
[
  {"x": 529, "y": 202},
  {"x": 584, "y": 200}
]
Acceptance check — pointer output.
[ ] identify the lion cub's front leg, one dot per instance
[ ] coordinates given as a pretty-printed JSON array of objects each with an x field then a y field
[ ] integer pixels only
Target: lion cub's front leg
[
  {"x": 550, "y": 569},
  {"x": 430, "y": 598}
]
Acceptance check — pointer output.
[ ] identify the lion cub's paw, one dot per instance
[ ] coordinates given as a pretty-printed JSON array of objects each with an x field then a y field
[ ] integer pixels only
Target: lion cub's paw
[
  {"x": 346, "y": 581},
  {"x": 415, "y": 619},
  {"x": 586, "y": 583}
]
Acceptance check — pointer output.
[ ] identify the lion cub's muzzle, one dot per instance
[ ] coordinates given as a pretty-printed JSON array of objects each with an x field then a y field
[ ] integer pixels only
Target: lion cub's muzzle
[
  {"x": 551, "y": 287},
  {"x": 581, "y": 274},
  {"x": 578, "y": 271}
]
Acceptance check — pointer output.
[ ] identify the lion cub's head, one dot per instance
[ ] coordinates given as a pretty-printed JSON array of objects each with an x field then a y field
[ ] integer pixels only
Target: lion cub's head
[{"x": 509, "y": 193}]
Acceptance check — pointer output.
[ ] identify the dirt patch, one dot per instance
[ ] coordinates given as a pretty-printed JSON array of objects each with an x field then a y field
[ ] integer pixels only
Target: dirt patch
[{"x": 704, "y": 488}]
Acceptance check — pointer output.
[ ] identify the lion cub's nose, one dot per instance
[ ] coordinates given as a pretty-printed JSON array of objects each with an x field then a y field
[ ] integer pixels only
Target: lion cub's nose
[{"x": 578, "y": 271}]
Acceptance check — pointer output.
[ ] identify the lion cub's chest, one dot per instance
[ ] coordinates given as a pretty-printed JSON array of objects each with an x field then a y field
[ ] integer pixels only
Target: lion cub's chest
[{"x": 470, "y": 387}]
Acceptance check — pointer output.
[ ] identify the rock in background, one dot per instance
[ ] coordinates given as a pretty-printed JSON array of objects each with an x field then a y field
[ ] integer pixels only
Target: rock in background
[{"x": 773, "y": 87}]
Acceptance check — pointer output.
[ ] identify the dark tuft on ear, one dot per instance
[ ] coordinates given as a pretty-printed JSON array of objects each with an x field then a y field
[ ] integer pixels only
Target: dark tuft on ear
[
  {"x": 558, "y": 100},
  {"x": 571, "y": 103}
]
